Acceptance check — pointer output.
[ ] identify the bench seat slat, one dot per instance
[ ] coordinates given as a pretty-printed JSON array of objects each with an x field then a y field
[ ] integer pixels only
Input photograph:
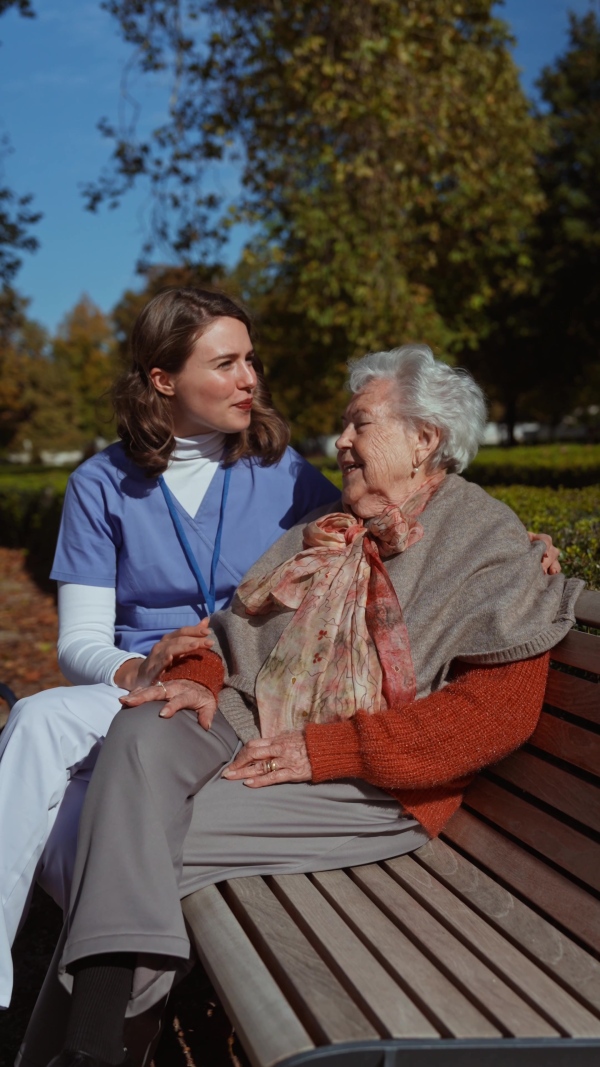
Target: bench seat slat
[
  {"x": 541, "y": 991},
  {"x": 390, "y": 1009},
  {"x": 580, "y": 650},
  {"x": 576, "y": 695},
  {"x": 453, "y": 1013},
  {"x": 574, "y": 744},
  {"x": 554, "y": 786},
  {"x": 549, "y": 947},
  {"x": 320, "y": 1001},
  {"x": 268, "y": 1028},
  {"x": 552, "y": 892},
  {"x": 490, "y": 993},
  {"x": 568, "y": 848}
]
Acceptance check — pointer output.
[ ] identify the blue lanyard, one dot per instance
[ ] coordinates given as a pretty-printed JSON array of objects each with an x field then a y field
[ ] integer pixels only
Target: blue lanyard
[{"x": 208, "y": 594}]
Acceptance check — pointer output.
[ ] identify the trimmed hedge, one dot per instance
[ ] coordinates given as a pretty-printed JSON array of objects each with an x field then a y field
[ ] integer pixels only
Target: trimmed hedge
[
  {"x": 30, "y": 510},
  {"x": 570, "y": 466}
]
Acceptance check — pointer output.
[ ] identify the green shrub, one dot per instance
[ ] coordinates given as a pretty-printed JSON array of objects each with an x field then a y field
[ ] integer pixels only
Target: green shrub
[
  {"x": 30, "y": 509},
  {"x": 560, "y": 465}
]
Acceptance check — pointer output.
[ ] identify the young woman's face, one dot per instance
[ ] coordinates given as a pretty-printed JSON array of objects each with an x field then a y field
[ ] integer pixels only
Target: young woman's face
[{"x": 214, "y": 388}]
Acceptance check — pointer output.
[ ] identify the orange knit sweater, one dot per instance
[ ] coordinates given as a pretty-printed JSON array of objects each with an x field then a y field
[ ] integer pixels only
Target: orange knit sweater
[{"x": 424, "y": 753}]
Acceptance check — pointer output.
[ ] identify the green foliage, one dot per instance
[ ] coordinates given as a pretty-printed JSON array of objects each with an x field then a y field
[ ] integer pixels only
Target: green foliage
[
  {"x": 569, "y": 465},
  {"x": 388, "y": 169},
  {"x": 30, "y": 509}
]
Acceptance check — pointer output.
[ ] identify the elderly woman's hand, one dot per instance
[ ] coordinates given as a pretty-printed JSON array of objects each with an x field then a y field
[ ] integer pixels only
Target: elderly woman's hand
[
  {"x": 269, "y": 761},
  {"x": 139, "y": 673},
  {"x": 550, "y": 564},
  {"x": 178, "y": 694}
]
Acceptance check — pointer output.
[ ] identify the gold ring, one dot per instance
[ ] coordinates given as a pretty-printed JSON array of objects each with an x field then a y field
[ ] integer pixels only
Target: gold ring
[
  {"x": 164, "y": 689},
  {"x": 271, "y": 766}
]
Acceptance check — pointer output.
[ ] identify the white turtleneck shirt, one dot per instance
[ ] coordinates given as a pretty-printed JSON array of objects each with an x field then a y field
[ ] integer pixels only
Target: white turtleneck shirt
[{"x": 86, "y": 634}]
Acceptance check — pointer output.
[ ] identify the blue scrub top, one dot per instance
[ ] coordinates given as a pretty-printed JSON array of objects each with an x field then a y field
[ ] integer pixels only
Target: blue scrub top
[{"x": 116, "y": 532}]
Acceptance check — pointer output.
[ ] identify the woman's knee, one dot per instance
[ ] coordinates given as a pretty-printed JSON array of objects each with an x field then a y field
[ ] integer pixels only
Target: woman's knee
[
  {"x": 35, "y": 712},
  {"x": 142, "y": 732}
]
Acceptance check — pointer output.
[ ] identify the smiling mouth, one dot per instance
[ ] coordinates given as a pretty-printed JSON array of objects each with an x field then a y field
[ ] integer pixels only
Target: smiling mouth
[
  {"x": 245, "y": 405},
  {"x": 348, "y": 466}
]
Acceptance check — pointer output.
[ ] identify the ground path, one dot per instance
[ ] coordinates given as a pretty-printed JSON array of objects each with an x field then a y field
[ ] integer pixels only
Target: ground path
[{"x": 197, "y": 1032}]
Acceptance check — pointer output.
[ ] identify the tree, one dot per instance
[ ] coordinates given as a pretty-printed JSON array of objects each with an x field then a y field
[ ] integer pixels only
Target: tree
[
  {"x": 568, "y": 246},
  {"x": 387, "y": 158},
  {"x": 541, "y": 355},
  {"x": 85, "y": 351},
  {"x": 16, "y": 213}
]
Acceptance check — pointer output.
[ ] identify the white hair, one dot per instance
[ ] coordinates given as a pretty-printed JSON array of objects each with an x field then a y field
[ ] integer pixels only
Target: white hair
[{"x": 432, "y": 393}]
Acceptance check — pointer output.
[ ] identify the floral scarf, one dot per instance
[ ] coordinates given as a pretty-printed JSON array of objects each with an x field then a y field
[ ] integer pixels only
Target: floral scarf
[{"x": 346, "y": 646}]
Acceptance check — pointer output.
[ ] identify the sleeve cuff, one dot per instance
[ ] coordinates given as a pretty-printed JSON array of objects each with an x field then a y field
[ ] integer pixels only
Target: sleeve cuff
[
  {"x": 206, "y": 668},
  {"x": 334, "y": 750}
]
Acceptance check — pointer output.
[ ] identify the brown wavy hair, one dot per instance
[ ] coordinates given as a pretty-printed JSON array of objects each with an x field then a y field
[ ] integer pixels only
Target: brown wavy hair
[{"x": 164, "y": 335}]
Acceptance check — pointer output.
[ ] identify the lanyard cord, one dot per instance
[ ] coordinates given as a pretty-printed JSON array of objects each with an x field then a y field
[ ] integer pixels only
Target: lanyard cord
[{"x": 207, "y": 594}]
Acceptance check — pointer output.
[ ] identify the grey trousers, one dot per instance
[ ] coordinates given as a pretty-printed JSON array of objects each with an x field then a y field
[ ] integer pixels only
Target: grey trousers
[{"x": 159, "y": 822}]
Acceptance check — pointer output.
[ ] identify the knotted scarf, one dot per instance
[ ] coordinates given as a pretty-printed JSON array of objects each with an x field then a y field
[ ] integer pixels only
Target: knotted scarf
[{"x": 346, "y": 646}]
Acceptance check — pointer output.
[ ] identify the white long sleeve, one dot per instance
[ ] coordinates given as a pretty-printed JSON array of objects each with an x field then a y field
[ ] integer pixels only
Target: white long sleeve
[{"x": 86, "y": 634}]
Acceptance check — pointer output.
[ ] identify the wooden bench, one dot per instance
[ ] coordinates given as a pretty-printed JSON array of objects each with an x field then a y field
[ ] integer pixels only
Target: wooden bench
[{"x": 482, "y": 947}]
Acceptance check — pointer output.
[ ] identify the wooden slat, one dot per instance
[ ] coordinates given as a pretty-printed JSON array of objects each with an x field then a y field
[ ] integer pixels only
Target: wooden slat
[
  {"x": 499, "y": 1001},
  {"x": 268, "y": 1028},
  {"x": 389, "y": 1008},
  {"x": 563, "y": 901},
  {"x": 548, "y": 946},
  {"x": 587, "y": 608},
  {"x": 452, "y": 1012},
  {"x": 570, "y": 693},
  {"x": 568, "y": 848},
  {"x": 554, "y": 786},
  {"x": 316, "y": 995},
  {"x": 579, "y": 650},
  {"x": 530, "y": 982},
  {"x": 572, "y": 743}
]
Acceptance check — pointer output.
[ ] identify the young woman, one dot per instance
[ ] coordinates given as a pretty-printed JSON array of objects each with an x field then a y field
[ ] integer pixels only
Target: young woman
[{"x": 157, "y": 532}]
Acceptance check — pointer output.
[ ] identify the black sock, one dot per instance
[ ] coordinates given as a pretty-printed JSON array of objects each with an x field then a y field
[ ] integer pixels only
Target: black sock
[{"x": 101, "y": 988}]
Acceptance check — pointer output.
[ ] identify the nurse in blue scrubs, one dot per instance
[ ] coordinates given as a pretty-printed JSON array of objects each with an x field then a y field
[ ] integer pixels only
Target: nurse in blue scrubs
[{"x": 157, "y": 531}]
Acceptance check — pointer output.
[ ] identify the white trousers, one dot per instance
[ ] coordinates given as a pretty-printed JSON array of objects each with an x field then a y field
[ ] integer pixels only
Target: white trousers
[{"x": 47, "y": 752}]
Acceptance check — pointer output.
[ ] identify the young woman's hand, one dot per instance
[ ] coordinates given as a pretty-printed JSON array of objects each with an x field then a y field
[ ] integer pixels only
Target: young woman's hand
[
  {"x": 140, "y": 673},
  {"x": 177, "y": 694},
  {"x": 269, "y": 761},
  {"x": 550, "y": 564}
]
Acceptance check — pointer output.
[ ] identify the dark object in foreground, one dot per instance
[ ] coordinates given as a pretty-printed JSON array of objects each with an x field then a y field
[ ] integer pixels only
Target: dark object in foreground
[{"x": 481, "y": 948}]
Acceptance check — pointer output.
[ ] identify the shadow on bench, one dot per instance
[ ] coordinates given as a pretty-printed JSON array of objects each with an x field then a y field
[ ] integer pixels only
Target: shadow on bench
[{"x": 482, "y": 947}]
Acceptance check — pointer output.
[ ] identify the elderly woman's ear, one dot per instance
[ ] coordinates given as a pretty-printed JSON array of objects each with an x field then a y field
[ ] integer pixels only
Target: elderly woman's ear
[{"x": 428, "y": 442}]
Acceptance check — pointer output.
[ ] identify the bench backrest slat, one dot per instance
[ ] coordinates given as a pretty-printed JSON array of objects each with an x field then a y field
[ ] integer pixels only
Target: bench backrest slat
[
  {"x": 576, "y": 695},
  {"x": 568, "y": 742},
  {"x": 580, "y": 650},
  {"x": 554, "y": 786},
  {"x": 569, "y": 849}
]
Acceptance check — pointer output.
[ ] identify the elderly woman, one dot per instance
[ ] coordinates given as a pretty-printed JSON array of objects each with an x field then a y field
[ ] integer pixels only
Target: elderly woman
[{"x": 374, "y": 660}]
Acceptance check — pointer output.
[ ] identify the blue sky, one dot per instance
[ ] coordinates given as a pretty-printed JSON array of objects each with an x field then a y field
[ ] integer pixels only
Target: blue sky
[{"x": 59, "y": 74}]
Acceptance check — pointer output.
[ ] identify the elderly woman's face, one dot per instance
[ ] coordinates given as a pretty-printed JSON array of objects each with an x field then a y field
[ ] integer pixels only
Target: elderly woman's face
[{"x": 375, "y": 451}]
